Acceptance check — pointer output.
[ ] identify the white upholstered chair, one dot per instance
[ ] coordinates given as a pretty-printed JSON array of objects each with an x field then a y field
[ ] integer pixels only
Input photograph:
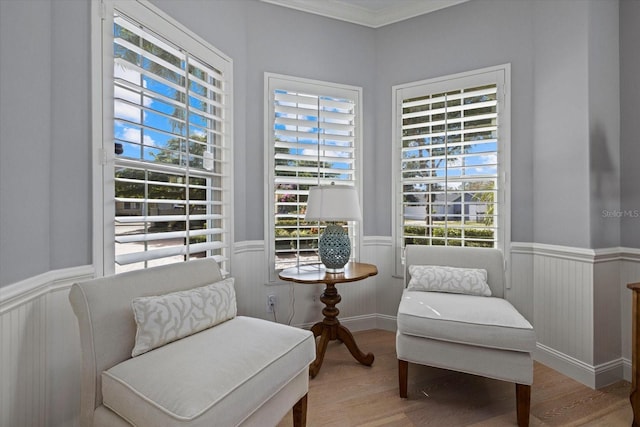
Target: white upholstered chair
[
  {"x": 481, "y": 335},
  {"x": 241, "y": 372}
]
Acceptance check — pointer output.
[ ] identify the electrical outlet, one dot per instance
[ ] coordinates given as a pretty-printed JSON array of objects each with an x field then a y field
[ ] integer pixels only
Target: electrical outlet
[{"x": 271, "y": 303}]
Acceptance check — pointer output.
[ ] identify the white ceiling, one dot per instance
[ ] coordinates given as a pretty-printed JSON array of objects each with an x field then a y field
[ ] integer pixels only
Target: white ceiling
[{"x": 371, "y": 13}]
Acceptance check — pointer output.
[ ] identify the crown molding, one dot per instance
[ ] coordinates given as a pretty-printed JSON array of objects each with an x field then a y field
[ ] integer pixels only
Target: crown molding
[{"x": 356, "y": 12}]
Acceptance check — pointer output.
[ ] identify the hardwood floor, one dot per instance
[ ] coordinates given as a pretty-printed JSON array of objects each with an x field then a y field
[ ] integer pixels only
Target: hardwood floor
[{"x": 345, "y": 393}]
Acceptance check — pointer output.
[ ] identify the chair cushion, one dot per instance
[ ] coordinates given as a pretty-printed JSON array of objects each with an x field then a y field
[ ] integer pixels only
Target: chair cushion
[
  {"x": 455, "y": 280},
  {"x": 218, "y": 376},
  {"x": 466, "y": 319},
  {"x": 165, "y": 318}
]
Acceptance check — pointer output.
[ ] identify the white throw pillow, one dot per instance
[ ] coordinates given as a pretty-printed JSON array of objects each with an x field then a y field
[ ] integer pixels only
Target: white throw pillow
[
  {"x": 436, "y": 278},
  {"x": 166, "y": 318}
]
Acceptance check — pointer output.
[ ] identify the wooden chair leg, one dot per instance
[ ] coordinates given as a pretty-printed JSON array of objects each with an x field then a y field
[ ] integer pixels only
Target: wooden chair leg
[
  {"x": 300, "y": 412},
  {"x": 523, "y": 404},
  {"x": 403, "y": 373}
]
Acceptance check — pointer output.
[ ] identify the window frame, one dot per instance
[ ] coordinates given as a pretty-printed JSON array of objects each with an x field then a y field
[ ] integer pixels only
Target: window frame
[
  {"x": 320, "y": 88},
  {"x": 103, "y": 116},
  {"x": 501, "y": 76}
]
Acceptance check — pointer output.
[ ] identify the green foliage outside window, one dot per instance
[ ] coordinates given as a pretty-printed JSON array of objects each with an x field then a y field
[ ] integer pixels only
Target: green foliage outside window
[{"x": 477, "y": 237}]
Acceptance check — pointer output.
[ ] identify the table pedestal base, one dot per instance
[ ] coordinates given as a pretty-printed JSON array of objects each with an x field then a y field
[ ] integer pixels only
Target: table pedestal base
[{"x": 330, "y": 329}]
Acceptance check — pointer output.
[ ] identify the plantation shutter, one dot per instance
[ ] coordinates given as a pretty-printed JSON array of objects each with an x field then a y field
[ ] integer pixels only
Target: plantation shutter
[
  {"x": 449, "y": 165},
  {"x": 172, "y": 171},
  {"x": 314, "y": 143}
]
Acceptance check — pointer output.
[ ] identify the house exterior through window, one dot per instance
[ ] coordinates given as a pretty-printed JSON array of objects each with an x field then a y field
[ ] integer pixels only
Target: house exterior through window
[{"x": 451, "y": 145}]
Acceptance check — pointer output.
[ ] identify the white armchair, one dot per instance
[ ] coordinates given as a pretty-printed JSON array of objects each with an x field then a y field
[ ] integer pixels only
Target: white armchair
[
  {"x": 466, "y": 332},
  {"x": 240, "y": 372}
]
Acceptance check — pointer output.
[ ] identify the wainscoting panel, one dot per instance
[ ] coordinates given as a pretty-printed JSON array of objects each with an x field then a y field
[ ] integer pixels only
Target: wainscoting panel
[
  {"x": 563, "y": 301},
  {"x": 606, "y": 318},
  {"x": 629, "y": 273},
  {"x": 607, "y": 312},
  {"x": 23, "y": 389},
  {"x": 64, "y": 361},
  {"x": 563, "y": 319},
  {"x": 570, "y": 294},
  {"x": 248, "y": 267},
  {"x": 39, "y": 351},
  {"x": 520, "y": 275},
  {"x": 298, "y": 304},
  {"x": 578, "y": 300},
  {"x": 379, "y": 250}
]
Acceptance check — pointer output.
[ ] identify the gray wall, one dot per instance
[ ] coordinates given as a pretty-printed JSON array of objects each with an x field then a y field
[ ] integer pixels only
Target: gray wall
[
  {"x": 269, "y": 38},
  {"x": 604, "y": 122},
  {"x": 70, "y": 222},
  {"x": 45, "y": 170},
  {"x": 465, "y": 37},
  {"x": 560, "y": 123},
  {"x": 565, "y": 150},
  {"x": 24, "y": 142},
  {"x": 564, "y": 93},
  {"x": 630, "y": 121}
]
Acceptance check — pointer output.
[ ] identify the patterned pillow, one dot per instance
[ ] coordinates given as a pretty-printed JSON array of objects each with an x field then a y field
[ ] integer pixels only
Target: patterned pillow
[
  {"x": 166, "y": 318},
  {"x": 435, "y": 278}
]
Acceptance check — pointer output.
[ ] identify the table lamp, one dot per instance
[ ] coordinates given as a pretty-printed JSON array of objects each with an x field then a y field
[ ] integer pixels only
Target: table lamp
[{"x": 331, "y": 203}]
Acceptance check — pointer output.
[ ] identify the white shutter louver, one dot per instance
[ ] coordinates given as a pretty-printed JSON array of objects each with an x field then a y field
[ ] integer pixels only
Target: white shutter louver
[
  {"x": 314, "y": 143},
  {"x": 449, "y": 167},
  {"x": 171, "y": 152}
]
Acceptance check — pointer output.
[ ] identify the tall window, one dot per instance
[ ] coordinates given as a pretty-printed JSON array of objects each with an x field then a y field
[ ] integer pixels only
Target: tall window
[
  {"x": 451, "y": 138},
  {"x": 313, "y": 138},
  {"x": 167, "y": 190}
]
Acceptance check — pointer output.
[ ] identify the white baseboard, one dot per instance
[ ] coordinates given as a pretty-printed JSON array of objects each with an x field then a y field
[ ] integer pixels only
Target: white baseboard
[
  {"x": 363, "y": 323},
  {"x": 592, "y": 376},
  {"x": 626, "y": 369},
  {"x": 387, "y": 323},
  {"x": 609, "y": 373},
  {"x": 360, "y": 323}
]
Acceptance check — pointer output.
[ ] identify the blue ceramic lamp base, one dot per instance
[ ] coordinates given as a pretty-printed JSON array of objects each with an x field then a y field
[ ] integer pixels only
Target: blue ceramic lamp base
[{"x": 335, "y": 248}]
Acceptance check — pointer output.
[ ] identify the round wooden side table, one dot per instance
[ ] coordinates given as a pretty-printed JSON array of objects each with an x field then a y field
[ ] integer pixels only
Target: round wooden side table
[{"x": 329, "y": 328}]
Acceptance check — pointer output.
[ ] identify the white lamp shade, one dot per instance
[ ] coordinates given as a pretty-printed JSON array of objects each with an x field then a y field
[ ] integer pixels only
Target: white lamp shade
[{"x": 333, "y": 203}]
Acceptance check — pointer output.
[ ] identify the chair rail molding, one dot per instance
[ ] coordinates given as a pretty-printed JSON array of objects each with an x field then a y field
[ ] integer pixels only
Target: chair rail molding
[
  {"x": 34, "y": 287},
  {"x": 575, "y": 253}
]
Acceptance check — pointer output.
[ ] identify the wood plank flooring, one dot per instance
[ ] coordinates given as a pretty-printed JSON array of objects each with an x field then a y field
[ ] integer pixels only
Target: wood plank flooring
[{"x": 346, "y": 394}]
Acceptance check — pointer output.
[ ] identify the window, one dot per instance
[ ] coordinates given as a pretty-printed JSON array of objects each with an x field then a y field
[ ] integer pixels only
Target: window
[
  {"x": 313, "y": 138},
  {"x": 451, "y": 140},
  {"x": 167, "y": 144}
]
